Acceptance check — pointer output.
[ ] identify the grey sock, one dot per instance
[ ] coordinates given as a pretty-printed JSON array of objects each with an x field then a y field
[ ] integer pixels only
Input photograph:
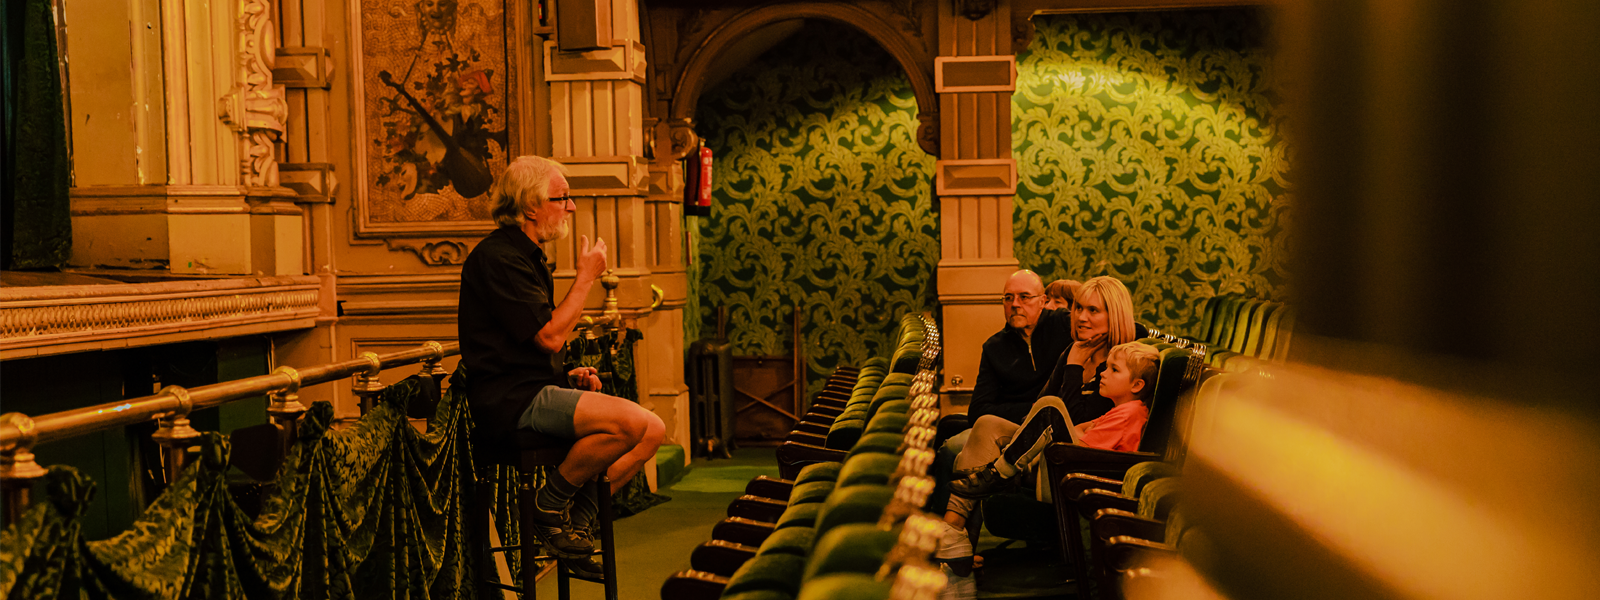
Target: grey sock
[
  {"x": 584, "y": 507},
  {"x": 556, "y": 493}
]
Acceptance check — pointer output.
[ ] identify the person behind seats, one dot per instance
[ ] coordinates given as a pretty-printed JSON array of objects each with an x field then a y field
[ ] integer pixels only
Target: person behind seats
[
  {"x": 512, "y": 330},
  {"x": 1060, "y": 293}
]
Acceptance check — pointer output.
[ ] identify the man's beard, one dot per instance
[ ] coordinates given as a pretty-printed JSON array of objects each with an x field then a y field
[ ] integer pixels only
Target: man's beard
[{"x": 549, "y": 232}]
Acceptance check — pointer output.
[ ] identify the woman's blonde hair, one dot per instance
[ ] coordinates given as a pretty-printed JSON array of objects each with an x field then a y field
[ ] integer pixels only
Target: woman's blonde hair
[
  {"x": 1119, "y": 307},
  {"x": 510, "y": 198}
]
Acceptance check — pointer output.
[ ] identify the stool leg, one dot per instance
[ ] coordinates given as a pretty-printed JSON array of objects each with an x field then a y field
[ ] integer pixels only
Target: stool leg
[
  {"x": 563, "y": 582},
  {"x": 480, "y": 525},
  {"x": 530, "y": 571},
  {"x": 608, "y": 555}
]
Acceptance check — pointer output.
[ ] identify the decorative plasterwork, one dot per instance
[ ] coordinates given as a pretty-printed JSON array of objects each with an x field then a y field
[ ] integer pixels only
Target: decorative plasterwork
[
  {"x": 432, "y": 252},
  {"x": 264, "y": 106},
  {"x": 36, "y": 321}
]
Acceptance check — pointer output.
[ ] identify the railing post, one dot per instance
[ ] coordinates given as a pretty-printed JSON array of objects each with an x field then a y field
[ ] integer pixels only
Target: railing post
[
  {"x": 434, "y": 367},
  {"x": 284, "y": 406},
  {"x": 17, "y": 468},
  {"x": 174, "y": 434},
  {"x": 367, "y": 384}
]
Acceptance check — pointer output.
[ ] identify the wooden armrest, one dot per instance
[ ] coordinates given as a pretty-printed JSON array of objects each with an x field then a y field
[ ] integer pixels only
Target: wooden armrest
[
  {"x": 804, "y": 437},
  {"x": 1072, "y": 458},
  {"x": 1125, "y": 552},
  {"x": 768, "y": 487},
  {"x": 826, "y": 411},
  {"x": 757, "y": 508},
  {"x": 812, "y": 428},
  {"x": 794, "y": 455},
  {"x": 828, "y": 403},
  {"x": 1093, "y": 501},
  {"x": 693, "y": 585},
  {"x": 820, "y": 419},
  {"x": 1075, "y": 484},
  {"x": 1110, "y": 523},
  {"x": 742, "y": 531},
  {"x": 719, "y": 557}
]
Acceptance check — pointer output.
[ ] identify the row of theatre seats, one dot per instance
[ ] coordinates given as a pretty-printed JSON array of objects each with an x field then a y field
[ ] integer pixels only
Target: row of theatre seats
[
  {"x": 855, "y": 513},
  {"x": 846, "y": 519}
]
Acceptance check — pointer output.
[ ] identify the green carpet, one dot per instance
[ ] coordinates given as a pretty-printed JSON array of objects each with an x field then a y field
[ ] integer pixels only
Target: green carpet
[{"x": 713, "y": 479}]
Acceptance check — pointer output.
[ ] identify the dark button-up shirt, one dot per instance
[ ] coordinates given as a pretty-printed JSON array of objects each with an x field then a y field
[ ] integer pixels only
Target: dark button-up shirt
[{"x": 506, "y": 290}]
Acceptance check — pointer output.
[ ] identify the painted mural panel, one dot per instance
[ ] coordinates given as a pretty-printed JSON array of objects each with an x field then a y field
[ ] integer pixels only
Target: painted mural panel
[
  {"x": 822, "y": 200},
  {"x": 433, "y": 77},
  {"x": 1149, "y": 147}
]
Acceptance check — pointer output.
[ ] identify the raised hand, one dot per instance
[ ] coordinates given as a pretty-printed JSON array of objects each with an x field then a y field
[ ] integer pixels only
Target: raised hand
[
  {"x": 591, "y": 259},
  {"x": 1088, "y": 352}
]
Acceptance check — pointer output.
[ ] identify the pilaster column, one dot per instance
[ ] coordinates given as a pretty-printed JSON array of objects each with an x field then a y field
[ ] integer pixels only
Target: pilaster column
[
  {"x": 975, "y": 179},
  {"x": 175, "y": 161}
]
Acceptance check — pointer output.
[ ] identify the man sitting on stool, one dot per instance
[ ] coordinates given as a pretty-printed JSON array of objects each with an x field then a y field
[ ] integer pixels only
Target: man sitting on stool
[{"x": 512, "y": 332}]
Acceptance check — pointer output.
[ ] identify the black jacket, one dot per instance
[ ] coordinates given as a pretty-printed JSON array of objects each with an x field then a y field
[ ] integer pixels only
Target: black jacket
[{"x": 1011, "y": 372}]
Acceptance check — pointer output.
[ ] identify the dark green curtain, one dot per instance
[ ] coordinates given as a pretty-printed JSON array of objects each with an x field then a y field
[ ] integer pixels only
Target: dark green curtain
[
  {"x": 377, "y": 510},
  {"x": 612, "y": 355},
  {"x": 35, "y": 222}
]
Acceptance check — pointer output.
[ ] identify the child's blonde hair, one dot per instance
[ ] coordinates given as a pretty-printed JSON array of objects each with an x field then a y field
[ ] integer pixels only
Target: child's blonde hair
[{"x": 1143, "y": 362}]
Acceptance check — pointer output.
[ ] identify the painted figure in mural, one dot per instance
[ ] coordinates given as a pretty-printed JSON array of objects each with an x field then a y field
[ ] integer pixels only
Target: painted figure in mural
[{"x": 512, "y": 329}]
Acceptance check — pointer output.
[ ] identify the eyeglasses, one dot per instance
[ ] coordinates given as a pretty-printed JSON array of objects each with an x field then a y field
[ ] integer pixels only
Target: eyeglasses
[
  {"x": 562, "y": 199},
  {"x": 1018, "y": 298}
]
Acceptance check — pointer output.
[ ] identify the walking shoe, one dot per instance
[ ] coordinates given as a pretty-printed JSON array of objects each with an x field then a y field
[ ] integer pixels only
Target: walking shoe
[
  {"x": 557, "y": 536},
  {"x": 588, "y": 568},
  {"x": 984, "y": 483}
]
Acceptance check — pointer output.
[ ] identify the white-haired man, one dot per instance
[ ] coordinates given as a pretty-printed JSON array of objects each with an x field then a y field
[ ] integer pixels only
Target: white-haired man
[{"x": 512, "y": 331}]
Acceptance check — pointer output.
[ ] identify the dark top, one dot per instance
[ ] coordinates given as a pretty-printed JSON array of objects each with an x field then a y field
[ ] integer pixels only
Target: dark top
[
  {"x": 1083, "y": 400},
  {"x": 506, "y": 288},
  {"x": 1011, "y": 371}
]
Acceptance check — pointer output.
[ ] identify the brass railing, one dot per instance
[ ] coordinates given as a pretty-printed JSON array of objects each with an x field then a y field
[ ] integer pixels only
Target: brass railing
[{"x": 170, "y": 408}]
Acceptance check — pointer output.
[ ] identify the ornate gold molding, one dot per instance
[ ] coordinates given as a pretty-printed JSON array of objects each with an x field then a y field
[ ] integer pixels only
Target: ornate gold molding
[
  {"x": 38, "y": 321},
  {"x": 432, "y": 252},
  {"x": 265, "y": 110}
]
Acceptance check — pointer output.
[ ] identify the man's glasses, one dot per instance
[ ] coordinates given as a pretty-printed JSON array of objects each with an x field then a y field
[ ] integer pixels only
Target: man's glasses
[
  {"x": 1018, "y": 298},
  {"x": 561, "y": 199}
]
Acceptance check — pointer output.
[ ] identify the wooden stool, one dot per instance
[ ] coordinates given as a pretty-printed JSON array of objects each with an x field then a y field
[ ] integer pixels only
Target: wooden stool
[{"x": 527, "y": 450}]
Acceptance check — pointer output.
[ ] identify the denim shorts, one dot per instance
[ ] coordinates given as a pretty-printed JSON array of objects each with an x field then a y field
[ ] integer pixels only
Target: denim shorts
[{"x": 551, "y": 412}]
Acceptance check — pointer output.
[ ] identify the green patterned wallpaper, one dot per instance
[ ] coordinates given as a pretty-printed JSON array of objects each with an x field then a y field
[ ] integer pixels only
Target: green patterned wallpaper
[
  {"x": 1148, "y": 147},
  {"x": 822, "y": 198}
]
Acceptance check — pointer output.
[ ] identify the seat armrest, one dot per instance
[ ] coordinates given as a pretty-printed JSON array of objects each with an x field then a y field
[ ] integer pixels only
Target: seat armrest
[
  {"x": 1110, "y": 522},
  {"x": 757, "y": 508},
  {"x": 693, "y": 585},
  {"x": 804, "y": 437},
  {"x": 1125, "y": 552},
  {"x": 826, "y": 411},
  {"x": 1093, "y": 501},
  {"x": 720, "y": 557},
  {"x": 811, "y": 428},
  {"x": 1071, "y": 458},
  {"x": 1074, "y": 484},
  {"x": 743, "y": 531},
  {"x": 768, "y": 487},
  {"x": 792, "y": 456}
]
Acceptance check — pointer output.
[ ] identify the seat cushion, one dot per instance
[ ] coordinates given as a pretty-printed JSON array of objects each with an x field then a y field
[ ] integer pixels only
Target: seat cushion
[
  {"x": 844, "y": 586},
  {"x": 815, "y": 491},
  {"x": 759, "y": 595},
  {"x": 875, "y": 468},
  {"x": 876, "y": 443},
  {"x": 789, "y": 540},
  {"x": 779, "y": 572},
  {"x": 826, "y": 471},
  {"x": 852, "y": 504},
  {"x": 800, "y": 515},
  {"x": 850, "y": 548}
]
